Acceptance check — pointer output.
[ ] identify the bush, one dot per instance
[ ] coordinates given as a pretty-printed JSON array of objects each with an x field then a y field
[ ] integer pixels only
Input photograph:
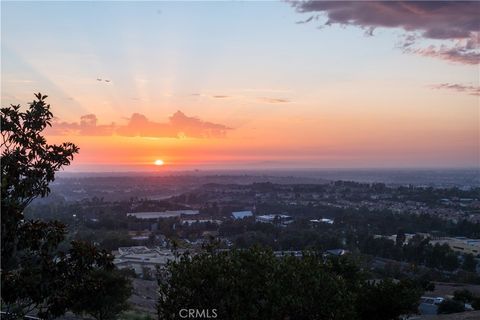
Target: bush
[
  {"x": 451, "y": 306},
  {"x": 255, "y": 284}
]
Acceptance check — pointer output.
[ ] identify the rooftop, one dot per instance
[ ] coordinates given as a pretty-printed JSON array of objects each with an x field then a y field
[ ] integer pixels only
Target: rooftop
[{"x": 162, "y": 214}]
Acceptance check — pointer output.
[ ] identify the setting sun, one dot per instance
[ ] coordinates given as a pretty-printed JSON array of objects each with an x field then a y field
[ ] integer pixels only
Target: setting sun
[{"x": 159, "y": 162}]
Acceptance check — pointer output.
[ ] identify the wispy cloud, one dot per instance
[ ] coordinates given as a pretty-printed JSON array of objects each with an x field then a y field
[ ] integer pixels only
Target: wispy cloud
[
  {"x": 455, "y": 23},
  {"x": 273, "y": 100},
  {"x": 469, "y": 89},
  {"x": 20, "y": 81},
  {"x": 178, "y": 125},
  {"x": 249, "y": 97}
]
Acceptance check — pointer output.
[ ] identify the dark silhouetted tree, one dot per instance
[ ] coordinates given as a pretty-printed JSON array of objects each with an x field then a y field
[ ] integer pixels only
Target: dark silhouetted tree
[
  {"x": 450, "y": 306},
  {"x": 35, "y": 274},
  {"x": 469, "y": 263},
  {"x": 401, "y": 237},
  {"x": 28, "y": 165},
  {"x": 465, "y": 296},
  {"x": 255, "y": 284},
  {"x": 387, "y": 299},
  {"x": 104, "y": 295}
]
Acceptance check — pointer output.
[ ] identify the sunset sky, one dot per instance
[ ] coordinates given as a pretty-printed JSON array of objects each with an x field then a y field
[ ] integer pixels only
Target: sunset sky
[{"x": 204, "y": 85}]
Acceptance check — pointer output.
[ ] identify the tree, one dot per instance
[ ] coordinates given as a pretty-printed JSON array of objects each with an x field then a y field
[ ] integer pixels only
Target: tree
[
  {"x": 147, "y": 273},
  {"x": 255, "y": 284},
  {"x": 469, "y": 263},
  {"x": 36, "y": 275},
  {"x": 28, "y": 165},
  {"x": 465, "y": 296},
  {"x": 476, "y": 303},
  {"x": 450, "y": 306},
  {"x": 103, "y": 295},
  {"x": 401, "y": 237},
  {"x": 388, "y": 300}
]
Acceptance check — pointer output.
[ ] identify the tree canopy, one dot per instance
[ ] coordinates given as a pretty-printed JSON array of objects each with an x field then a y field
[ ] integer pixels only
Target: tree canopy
[
  {"x": 256, "y": 284},
  {"x": 36, "y": 275}
]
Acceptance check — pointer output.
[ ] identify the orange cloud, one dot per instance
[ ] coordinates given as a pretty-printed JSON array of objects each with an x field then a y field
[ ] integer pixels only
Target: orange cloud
[
  {"x": 179, "y": 125},
  {"x": 274, "y": 100}
]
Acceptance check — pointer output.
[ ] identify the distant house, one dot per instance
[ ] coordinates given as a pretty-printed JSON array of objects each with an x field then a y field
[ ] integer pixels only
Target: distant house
[
  {"x": 336, "y": 252},
  {"x": 163, "y": 214},
  {"x": 241, "y": 214},
  {"x": 272, "y": 218},
  {"x": 460, "y": 244},
  {"x": 193, "y": 221},
  {"x": 140, "y": 257},
  {"x": 327, "y": 221}
]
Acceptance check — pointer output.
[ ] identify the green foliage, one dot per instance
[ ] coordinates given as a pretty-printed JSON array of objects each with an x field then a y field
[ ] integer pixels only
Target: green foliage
[
  {"x": 469, "y": 263},
  {"x": 255, "y": 284},
  {"x": 133, "y": 315},
  {"x": 476, "y": 303},
  {"x": 451, "y": 306},
  {"x": 387, "y": 299},
  {"x": 401, "y": 237},
  {"x": 28, "y": 165},
  {"x": 107, "y": 240},
  {"x": 36, "y": 275},
  {"x": 147, "y": 274},
  {"x": 418, "y": 251},
  {"x": 464, "y": 296},
  {"x": 102, "y": 294}
]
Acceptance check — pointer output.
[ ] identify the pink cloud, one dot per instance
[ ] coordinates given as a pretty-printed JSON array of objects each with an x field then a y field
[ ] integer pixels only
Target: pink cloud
[
  {"x": 472, "y": 90},
  {"x": 178, "y": 125},
  {"x": 449, "y": 21}
]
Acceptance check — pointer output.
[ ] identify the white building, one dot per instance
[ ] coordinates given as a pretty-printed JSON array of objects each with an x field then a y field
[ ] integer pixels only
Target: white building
[
  {"x": 192, "y": 221},
  {"x": 163, "y": 214},
  {"x": 140, "y": 257},
  {"x": 271, "y": 218},
  {"x": 242, "y": 214},
  {"x": 461, "y": 244},
  {"x": 327, "y": 221}
]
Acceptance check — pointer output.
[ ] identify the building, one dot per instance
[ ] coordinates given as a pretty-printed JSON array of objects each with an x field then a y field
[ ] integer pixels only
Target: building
[
  {"x": 140, "y": 257},
  {"x": 163, "y": 214},
  {"x": 327, "y": 221},
  {"x": 242, "y": 214},
  {"x": 460, "y": 244},
  {"x": 408, "y": 236},
  {"x": 336, "y": 252},
  {"x": 193, "y": 221},
  {"x": 273, "y": 218}
]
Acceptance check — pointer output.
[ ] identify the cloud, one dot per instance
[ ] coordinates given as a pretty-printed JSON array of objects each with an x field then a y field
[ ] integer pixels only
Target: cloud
[
  {"x": 86, "y": 127},
  {"x": 453, "y": 54},
  {"x": 455, "y": 23},
  {"x": 469, "y": 89},
  {"x": 220, "y": 96},
  {"x": 306, "y": 20},
  {"x": 273, "y": 100},
  {"x": 178, "y": 125}
]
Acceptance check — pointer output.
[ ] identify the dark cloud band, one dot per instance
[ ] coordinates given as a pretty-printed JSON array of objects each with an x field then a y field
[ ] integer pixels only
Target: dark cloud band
[{"x": 455, "y": 21}]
